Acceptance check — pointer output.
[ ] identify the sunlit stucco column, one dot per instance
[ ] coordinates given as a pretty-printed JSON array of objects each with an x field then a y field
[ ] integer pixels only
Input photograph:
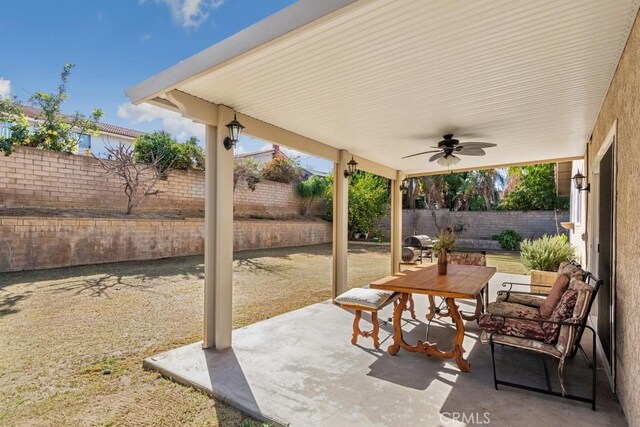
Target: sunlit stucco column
[
  {"x": 396, "y": 222},
  {"x": 218, "y": 252},
  {"x": 340, "y": 222}
]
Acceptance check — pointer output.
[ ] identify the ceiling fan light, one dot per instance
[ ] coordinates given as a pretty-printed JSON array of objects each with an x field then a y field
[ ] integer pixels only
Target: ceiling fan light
[{"x": 449, "y": 160}]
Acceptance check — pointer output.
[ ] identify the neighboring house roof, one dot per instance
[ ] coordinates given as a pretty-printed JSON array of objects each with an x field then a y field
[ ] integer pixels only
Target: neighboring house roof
[
  {"x": 316, "y": 172},
  {"x": 266, "y": 155},
  {"x": 259, "y": 156},
  {"x": 34, "y": 113}
]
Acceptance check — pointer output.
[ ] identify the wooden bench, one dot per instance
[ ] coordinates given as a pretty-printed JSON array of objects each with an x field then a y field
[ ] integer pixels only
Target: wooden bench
[{"x": 370, "y": 300}]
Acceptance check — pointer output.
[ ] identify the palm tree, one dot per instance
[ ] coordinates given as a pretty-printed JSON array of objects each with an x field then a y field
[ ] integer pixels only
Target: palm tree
[{"x": 485, "y": 183}]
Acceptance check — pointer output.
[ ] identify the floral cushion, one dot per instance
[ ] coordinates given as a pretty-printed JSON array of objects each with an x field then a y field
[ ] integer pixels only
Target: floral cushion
[
  {"x": 467, "y": 258},
  {"x": 571, "y": 270},
  {"x": 525, "y": 343},
  {"x": 524, "y": 299},
  {"x": 568, "y": 333},
  {"x": 522, "y": 328},
  {"x": 513, "y": 309},
  {"x": 559, "y": 287},
  {"x": 561, "y": 312}
]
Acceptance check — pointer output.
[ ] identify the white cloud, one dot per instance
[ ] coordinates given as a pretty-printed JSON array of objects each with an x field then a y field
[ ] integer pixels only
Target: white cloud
[
  {"x": 145, "y": 37},
  {"x": 169, "y": 121},
  {"x": 5, "y": 88},
  {"x": 190, "y": 13}
]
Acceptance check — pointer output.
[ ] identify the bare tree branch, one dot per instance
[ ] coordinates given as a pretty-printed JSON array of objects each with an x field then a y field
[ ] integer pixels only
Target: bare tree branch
[{"x": 139, "y": 179}]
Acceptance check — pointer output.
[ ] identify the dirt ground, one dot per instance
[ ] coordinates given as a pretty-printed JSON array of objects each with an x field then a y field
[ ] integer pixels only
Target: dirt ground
[{"x": 72, "y": 340}]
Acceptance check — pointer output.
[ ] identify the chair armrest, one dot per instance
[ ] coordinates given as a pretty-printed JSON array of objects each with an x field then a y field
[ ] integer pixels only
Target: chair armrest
[
  {"x": 569, "y": 322},
  {"x": 512, "y": 284}
]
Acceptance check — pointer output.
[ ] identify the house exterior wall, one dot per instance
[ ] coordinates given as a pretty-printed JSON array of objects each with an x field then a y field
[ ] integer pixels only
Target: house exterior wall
[
  {"x": 578, "y": 216},
  {"x": 100, "y": 143},
  {"x": 622, "y": 103}
]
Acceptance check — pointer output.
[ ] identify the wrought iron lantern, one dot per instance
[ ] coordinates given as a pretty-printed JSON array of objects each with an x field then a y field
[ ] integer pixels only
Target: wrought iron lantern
[
  {"x": 235, "y": 129},
  {"x": 352, "y": 167},
  {"x": 579, "y": 181}
]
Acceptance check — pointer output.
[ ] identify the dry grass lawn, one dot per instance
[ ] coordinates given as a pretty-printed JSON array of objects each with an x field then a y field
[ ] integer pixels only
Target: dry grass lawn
[{"x": 72, "y": 340}]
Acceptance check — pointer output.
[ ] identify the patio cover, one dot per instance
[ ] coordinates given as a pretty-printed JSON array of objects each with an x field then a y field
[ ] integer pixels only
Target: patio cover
[
  {"x": 384, "y": 79},
  {"x": 379, "y": 80}
]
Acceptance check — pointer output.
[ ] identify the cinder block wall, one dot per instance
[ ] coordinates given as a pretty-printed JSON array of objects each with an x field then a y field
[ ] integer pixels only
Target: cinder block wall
[
  {"x": 479, "y": 225},
  {"x": 32, "y": 178},
  {"x": 35, "y": 243}
]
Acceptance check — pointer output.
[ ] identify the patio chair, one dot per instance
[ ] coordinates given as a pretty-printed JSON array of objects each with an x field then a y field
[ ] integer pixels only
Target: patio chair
[
  {"x": 370, "y": 300},
  {"x": 515, "y": 320}
]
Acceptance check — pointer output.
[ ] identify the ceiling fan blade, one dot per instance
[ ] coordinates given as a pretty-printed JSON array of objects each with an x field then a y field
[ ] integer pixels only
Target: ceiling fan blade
[
  {"x": 420, "y": 154},
  {"x": 471, "y": 152},
  {"x": 477, "y": 144},
  {"x": 436, "y": 156}
]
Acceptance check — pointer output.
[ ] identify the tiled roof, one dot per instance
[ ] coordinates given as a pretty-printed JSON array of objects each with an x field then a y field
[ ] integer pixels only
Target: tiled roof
[{"x": 104, "y": 127}]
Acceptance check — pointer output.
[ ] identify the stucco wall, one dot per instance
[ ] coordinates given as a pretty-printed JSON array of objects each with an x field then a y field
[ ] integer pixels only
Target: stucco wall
[
  {"x": 623, "y": 103},
  {"x": 578, "y": 216},
  {"x": 35, "y": 243}
]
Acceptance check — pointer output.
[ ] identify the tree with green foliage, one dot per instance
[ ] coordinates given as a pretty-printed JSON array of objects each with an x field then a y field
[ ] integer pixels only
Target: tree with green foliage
[
  {"x": 460, "y": 191},
  {"x": 535, "y": 189},
  {"x": 52, "y": 130},
  {"x": 246, "y": 169},
  {"x": 368, "y": 201},
  {"x": 310, "y": 190},
  {"x": 172, "y": 154}
]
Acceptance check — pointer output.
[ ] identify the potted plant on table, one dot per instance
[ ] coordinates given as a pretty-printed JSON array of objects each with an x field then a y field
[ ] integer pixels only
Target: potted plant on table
[
  {"x": 444, "y": 244},
  {"x": 543, "y": 256}
]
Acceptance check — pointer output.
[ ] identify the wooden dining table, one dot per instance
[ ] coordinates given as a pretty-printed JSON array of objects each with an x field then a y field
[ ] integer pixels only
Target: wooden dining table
[{"x": 461, "y": 281}]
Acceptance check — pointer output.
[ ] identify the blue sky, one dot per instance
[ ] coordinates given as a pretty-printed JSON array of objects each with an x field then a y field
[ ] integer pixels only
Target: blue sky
[{"x": 115, "y": 45}]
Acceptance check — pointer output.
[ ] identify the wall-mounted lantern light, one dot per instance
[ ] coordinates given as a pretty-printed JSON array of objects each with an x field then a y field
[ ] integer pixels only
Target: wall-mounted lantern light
[
  {"x": 352, "y": 167},
  {"x": 404, "y": 185},
  {"x": 235, "y": 129},
  {"x": 579, "y": 180}
]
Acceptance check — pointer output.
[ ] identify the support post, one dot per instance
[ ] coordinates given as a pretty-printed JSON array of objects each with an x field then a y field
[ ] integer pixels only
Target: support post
[
  {"x": 340, "y": 225},
  {"x": 218, "y": 258},
  {"x": 396, "y": 222}
]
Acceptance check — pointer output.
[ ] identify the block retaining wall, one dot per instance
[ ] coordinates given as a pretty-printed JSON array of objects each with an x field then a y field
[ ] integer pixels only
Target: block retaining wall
[
  {"x": 34, "y": 243},
  {"x": 479, "y": 225},
  {"x": 33, "y": 178}
]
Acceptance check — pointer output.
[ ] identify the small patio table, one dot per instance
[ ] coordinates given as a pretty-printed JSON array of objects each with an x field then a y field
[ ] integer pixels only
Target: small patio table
[{"x": 461, "y": 281}]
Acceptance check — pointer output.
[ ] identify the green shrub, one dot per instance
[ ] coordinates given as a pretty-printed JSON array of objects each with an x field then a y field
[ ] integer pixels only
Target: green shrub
[
  {"x": 508, "y": 239},
  {"x": 310, "y": 190},
  {"x": 546, "y": 253},
  {"x": 169, "y": 153},
  {"x": 368, "y": 201},
  {"x": 281, "y": 169}
]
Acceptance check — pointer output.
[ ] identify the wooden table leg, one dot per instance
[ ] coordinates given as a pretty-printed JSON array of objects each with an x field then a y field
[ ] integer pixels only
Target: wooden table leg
[
  {"x": 398, "y": 341},
  {"x": 458, "y": 350},
  {"x": 432, "y": 307},
  {"x": 427, "y": 348},
  {"x": 478, "y": 312},
  {"x": 412, "y": 309}
]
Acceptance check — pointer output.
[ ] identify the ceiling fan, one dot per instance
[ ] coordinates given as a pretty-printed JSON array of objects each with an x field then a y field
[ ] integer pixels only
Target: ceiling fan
[{"x": 449, "y": 147}]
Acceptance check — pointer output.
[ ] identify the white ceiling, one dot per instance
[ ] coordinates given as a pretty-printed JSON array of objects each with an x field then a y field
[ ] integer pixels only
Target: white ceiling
[{"x": 383, "y": 79}]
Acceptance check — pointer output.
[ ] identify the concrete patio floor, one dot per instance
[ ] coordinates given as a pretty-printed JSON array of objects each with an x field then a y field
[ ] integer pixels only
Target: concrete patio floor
[{"x": 300, "y": 369}]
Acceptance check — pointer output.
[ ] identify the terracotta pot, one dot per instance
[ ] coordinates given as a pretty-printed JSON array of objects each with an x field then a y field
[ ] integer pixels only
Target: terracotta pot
[{"x": 442, "y": 262}]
